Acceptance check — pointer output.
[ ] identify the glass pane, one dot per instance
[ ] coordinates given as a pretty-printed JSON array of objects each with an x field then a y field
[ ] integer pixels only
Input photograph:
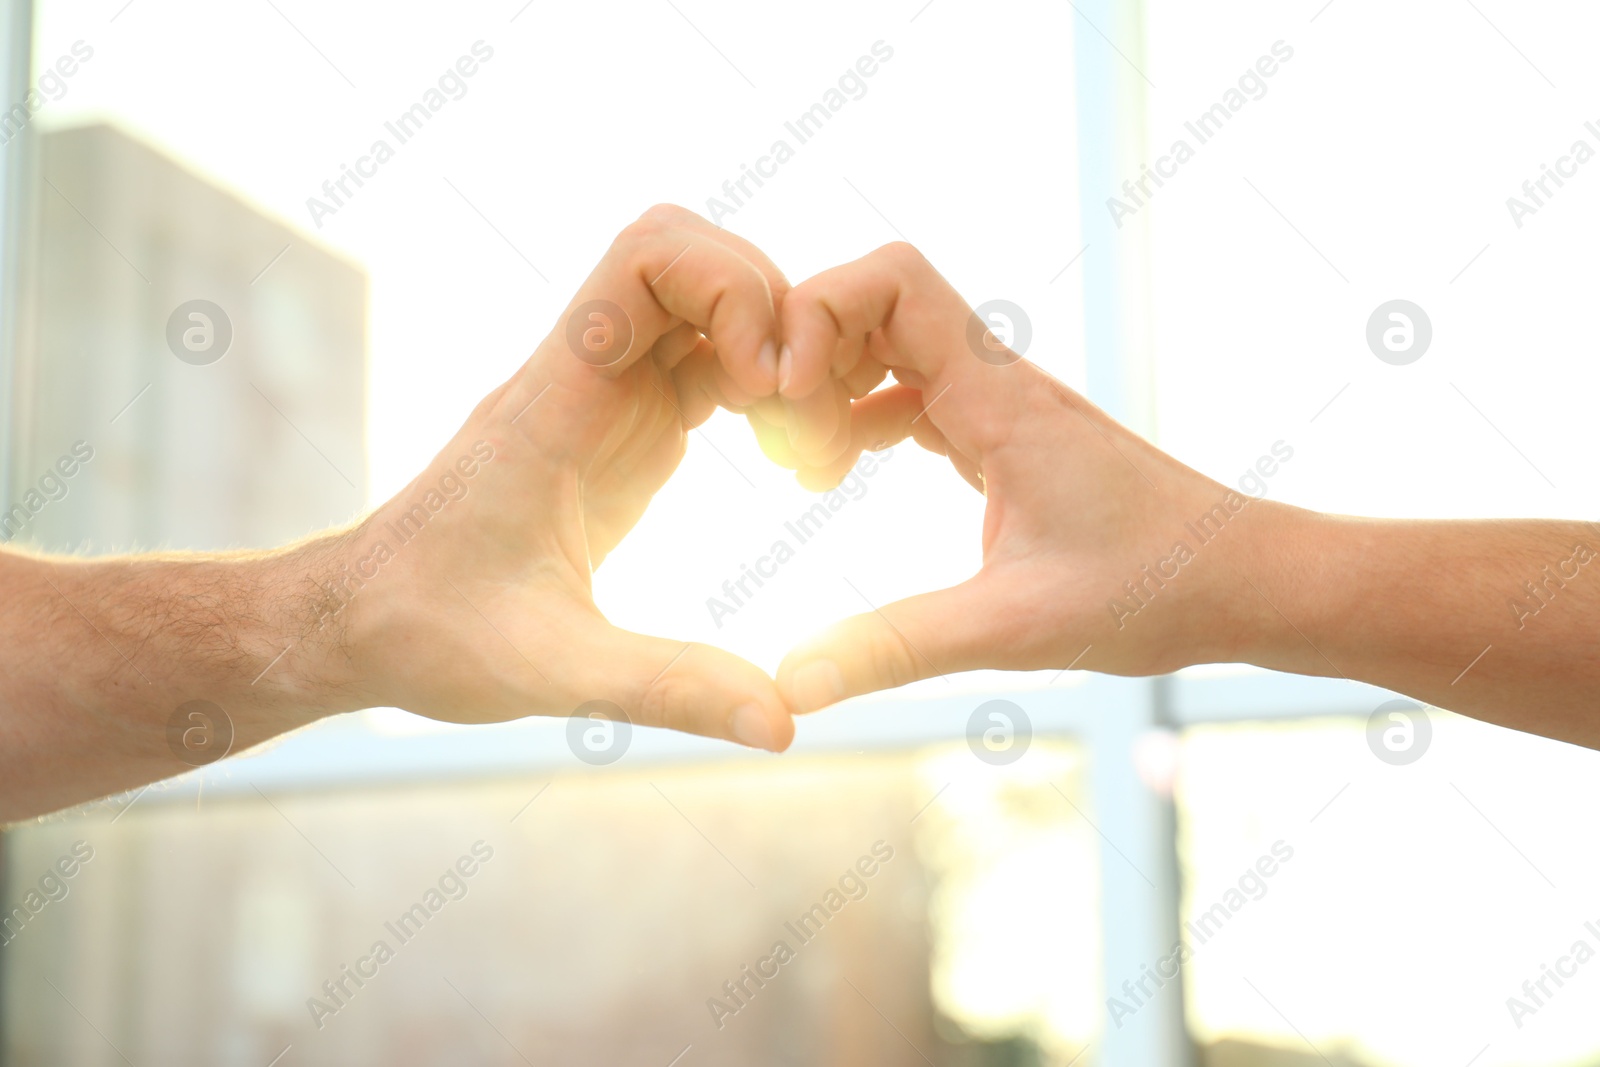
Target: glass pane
[
  {"x": 1369, "y": 912},
  {"x": 1364, "y": 169},
  {"x": 828, "y": 911}
]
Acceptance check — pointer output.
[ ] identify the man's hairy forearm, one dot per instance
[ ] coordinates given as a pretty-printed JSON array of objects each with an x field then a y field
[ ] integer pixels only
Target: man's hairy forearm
[
  {"x": 99, "y": 655},
  {"x": 1497, "y": 619}
]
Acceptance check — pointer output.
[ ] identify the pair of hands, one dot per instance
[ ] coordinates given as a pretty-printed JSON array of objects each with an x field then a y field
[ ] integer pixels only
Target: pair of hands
[{"x": 491, "y": 615}]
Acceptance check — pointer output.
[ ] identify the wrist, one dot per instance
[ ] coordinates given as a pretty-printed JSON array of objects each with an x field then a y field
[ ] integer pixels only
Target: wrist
[
  {"x": 344, "y": 604},
  {"x": 1286, "y": 591}
]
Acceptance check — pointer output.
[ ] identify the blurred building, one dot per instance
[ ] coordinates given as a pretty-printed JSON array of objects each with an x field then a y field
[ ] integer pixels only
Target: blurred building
[
  {"x": 197, "y": 366},
  {"x": 209, "y": 931}
]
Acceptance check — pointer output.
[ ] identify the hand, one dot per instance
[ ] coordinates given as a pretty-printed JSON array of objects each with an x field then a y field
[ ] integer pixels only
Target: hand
[
  {"x": 1080, "y": 512},
  {"x": 807, "y": 427},
  {"x": 487, "y": 613}
]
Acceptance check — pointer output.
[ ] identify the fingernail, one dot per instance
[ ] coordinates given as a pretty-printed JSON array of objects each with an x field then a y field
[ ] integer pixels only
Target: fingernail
[
  {"x": 818, "y": 684},
  {"x": 750, "y": 728},
  {"x": 785, "y": 365},
  {"x": 768, "y": 361}
]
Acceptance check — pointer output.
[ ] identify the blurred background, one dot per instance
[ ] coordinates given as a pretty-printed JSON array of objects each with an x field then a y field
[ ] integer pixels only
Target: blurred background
[{"x": 1338, "y": 903}]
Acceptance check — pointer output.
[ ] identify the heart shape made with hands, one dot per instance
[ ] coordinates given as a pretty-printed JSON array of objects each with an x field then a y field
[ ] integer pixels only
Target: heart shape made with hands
[{"x": 681, "y": 317}]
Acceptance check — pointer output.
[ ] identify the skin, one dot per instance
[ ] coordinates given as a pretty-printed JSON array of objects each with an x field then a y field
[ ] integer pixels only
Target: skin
[
  {"x": 485, "y": 615},
  {"x": 1077, "y": 505},
  {"x": 481, "y": 610}
]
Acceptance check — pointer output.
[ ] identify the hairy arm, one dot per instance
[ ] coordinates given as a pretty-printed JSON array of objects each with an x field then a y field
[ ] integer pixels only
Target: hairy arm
[{"x": 100, "y": 656}]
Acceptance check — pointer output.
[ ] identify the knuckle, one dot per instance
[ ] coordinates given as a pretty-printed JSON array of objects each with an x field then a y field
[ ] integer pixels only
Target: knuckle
[
  {"x": 889, "y": 657},
  {"x": 636, "y": 235},
  {"x": 739, "y": 297},
  {"x": 749, "y": 287},
  {"x": 903, "y": 254},
  {"x": 669, "y": 214},
  {"x": 665, "y": 701},
  {"x": 656, "y": 221},
  {"x": 806, "y": 302},
  {"x": 485, "y": 407},
  {"x": 646, "y": 228},
  {"x": 745, "y": 279}
]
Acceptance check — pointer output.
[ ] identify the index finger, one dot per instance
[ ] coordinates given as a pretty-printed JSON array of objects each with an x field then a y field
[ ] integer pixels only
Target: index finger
[
  {"x": 916, "y": 324},
  {"x": 666, "y": 269}
]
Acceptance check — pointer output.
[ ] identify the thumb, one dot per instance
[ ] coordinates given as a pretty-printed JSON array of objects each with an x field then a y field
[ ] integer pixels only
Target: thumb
[
  {"x": 691, "y": 687},
  {"x": 920, "y": 637}
]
